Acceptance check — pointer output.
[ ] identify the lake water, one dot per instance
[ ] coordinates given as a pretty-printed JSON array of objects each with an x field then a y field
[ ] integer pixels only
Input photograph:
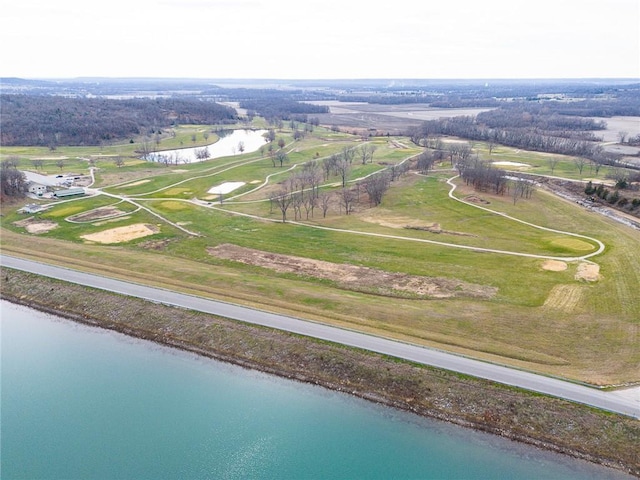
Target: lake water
[
  {"x": 234, "y": 143},
  {"x": 86, "y": 403}
]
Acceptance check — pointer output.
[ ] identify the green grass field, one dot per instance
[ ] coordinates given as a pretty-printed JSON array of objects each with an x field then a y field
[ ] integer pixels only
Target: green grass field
[{"x": 541, "y": 319}]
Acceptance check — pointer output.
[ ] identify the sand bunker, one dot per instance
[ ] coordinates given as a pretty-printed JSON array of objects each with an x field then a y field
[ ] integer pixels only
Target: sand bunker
[
  {"x": 36, "y": 225},
  {"x": 511, "y": 164},
  {"x": 122, "y": 234},
  {"x": 554, "y": 265},
  {"x": 588, "y": 271},
  {"x": 225, "y": 188},
  {"x": 351, "y": 277}
]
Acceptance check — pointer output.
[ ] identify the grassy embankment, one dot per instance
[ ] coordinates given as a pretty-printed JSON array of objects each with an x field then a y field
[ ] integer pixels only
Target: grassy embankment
[
  {"x": 543, "y": 421},
  {"x": 544, "y": 321}
]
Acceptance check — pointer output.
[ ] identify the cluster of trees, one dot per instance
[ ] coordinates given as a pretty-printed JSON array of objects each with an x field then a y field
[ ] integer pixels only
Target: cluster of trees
[
  {"x": 301, "y": 191},
  {"x": 12, "y": 181},
  {"x": 614, "y": 198},
  {"x": 483, "y": 176},
  {"x": 281, "y": 108},
  {"x": 50, "y": 121}
]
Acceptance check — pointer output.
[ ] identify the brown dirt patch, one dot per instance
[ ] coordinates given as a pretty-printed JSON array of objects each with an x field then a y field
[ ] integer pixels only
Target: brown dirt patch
[
  {"x": 391, "y": 221},
  {"x": 554, "y": 266},
  {"x": 35, "y": 225},
  {"x": 351, "y": 277},
  {"x": 122, "y": 234},
  {"x": 588, "y": 271},
  {"x": 96, "y": 214},
  {"x": 476, "y": 199}
]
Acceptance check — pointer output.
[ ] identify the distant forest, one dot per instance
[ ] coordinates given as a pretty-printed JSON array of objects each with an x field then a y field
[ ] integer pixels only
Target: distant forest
[
  {"x": 43, "y": 120},
  {"x": 546, "y": 115}
]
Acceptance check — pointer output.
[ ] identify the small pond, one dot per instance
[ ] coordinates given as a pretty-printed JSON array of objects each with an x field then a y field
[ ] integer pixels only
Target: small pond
[{"x": 235, "y": 142}]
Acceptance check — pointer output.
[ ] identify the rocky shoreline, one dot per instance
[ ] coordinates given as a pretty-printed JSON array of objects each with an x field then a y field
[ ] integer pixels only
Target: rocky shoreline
[{"x": 545, "y": 422}]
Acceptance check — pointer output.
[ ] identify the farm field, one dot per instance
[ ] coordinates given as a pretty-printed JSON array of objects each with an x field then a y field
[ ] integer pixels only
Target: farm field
[{"x": 541, "y": 284}]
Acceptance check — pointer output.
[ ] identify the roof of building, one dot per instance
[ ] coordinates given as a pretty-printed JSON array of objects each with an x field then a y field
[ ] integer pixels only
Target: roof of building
[{"x": 70, "y": 191}]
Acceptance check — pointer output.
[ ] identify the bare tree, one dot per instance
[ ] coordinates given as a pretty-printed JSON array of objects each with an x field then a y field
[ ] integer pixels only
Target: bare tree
[
  {"x": 281, "y": 157},
  {"x": 241, "y": 147},
  {"x": 271, "y": 151},
  {"x": 622, "y": 136},
  {"x": 580, "y": 163},
  {"x": 313, "y": 174},
  {"x": 119, "y": 161},
  {"x": 348, "y": 153},
  {"x": 297, "y": 201},
  {"x": 491, "y": 144},
  {"x": 310, "y": 203},
  {"x": 325, "y": 202},
  {"x": 376, "y": 186},
  {"x": 37, "y": 163},
  {"x": 201, "y": 153},
  {"x": 366, "y": 152},
  {"x": 145, "y": 148},
  {"x": 553, "y": 161},
  {"x": 343, "y": 168},
  {"x": 283, "y": 200},
  {"x": 60, "y": 163},
  {"x": 347, "y": 200}
]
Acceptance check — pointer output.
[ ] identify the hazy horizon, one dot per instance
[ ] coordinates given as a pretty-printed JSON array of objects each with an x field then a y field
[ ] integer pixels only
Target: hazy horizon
[{"x": 321, "y": 40}]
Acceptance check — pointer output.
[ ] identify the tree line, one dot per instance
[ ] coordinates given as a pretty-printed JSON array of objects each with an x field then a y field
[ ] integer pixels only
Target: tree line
[
  {"x": 281, "y": 108},
  {"x": 527, "y": 138},
  {"x": 51, "y": 121}
]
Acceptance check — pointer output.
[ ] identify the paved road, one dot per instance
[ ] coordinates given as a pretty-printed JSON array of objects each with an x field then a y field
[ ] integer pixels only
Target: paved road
[{"x": 497, "y": 373}]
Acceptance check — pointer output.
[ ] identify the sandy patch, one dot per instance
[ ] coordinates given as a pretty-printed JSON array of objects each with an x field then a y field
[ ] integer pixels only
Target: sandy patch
[
  {"x": 351, "y": 277},
  {"x": 588, "y": 271},
  {"x": 35, "y": 225},
  {"x": 410, "y": 224},
  {"x": 510, "y": 164},
  {"x": 254, "y": 182},
  {"x": 554, "y": 265},
  {"x": 134, "y": 184},
  {"x": 392, "y": 221},
  {"x": 122, "y": 234},
  {"x": 564, "y": 297},
  {"x": 179, "y": 171}
]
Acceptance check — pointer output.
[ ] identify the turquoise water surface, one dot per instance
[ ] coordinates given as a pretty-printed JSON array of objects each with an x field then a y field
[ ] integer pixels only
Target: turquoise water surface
[{"x": 86, "y": 403}]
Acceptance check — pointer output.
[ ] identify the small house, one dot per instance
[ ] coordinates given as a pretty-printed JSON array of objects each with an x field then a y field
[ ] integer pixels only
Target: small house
[
  {"x": 37, "y": 188},
  {"x": 31, "y": 208}
]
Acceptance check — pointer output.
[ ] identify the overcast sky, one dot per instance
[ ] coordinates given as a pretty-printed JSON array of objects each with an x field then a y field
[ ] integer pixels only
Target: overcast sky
[{"x": 293, "y": 39}]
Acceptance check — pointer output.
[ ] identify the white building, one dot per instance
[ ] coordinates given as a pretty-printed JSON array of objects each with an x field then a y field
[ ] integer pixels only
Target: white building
[{"x": 37, "y": 188}]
